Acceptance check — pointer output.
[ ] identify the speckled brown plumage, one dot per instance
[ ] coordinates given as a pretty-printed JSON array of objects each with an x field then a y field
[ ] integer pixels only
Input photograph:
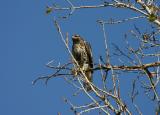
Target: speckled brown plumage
[{"x": 81, "y": 51}]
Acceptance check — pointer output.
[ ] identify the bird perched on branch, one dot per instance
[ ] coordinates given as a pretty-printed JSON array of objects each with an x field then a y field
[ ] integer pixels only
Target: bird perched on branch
[{"x": 82, "y": 53}]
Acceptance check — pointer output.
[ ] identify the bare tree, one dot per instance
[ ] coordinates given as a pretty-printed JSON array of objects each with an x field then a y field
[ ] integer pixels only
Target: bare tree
[{"x": 141, "y": 59}]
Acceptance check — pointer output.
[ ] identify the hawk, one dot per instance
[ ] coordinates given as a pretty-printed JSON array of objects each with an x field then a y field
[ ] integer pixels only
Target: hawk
[{"x": 82, "y": 53}]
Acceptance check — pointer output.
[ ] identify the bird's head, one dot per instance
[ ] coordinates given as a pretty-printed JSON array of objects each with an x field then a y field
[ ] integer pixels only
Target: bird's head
[{"x": 76, "y": 38}]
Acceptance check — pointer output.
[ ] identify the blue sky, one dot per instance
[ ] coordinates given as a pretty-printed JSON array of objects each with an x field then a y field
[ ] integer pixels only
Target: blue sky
[{"x": 29, "y": 40}]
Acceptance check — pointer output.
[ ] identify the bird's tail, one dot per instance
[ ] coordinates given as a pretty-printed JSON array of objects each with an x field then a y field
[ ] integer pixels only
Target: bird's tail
[{"x": 89, "y": 77}]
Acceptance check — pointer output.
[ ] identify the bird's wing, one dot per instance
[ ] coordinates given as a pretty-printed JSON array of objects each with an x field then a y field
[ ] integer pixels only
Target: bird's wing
[{"x": 89, "y": 53}]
